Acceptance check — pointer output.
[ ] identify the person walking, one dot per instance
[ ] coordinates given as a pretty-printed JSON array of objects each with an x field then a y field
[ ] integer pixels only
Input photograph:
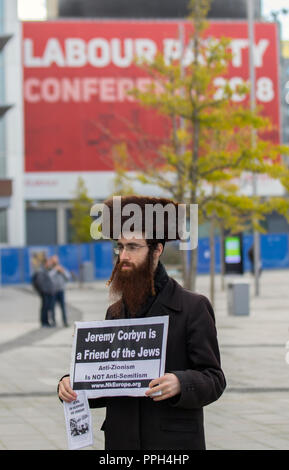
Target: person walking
[
  {"x": 252, "y": 261},
  {"x": 59, "y": 276},
  {"x": 43, "y": 285},
  {"x": 141, "y": 288}
]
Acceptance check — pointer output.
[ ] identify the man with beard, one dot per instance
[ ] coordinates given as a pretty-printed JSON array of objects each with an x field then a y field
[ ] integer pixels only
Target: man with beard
[{"x": 141, "y": 287}]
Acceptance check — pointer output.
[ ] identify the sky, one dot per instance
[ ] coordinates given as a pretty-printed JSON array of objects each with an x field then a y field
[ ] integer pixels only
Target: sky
[
  {"x": 284, "y": 19},
  {"x": 35, "y": 9},
  {"x": 31, "y": 9}
]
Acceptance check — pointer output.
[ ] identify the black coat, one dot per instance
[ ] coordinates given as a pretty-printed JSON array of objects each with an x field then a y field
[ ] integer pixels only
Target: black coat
[
  {"x": 42, "y": 282},
  {"x": 193, "y": 356}
]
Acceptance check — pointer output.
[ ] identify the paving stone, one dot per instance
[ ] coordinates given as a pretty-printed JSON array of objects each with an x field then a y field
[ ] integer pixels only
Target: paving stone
[{"x": 252, "y": 414}]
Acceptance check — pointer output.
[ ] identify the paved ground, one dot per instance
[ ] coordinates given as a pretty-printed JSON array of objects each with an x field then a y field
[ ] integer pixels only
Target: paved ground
[{"x": 253, "y": 413}]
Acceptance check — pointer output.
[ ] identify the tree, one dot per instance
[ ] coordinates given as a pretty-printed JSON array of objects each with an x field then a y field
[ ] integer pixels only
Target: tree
[
  {"x": 228, "y": 209},
  {"x": 207, "y": 149},
  {"x": 121, "y": 186},
  {"x": 80, "y": 220}
]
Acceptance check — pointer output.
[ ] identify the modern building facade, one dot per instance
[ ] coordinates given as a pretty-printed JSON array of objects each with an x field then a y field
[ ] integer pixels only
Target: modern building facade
[
  {"x": 51, "y": 169},
  {"x": 12, "y": 205},
  {"x": 147, "y": 9}
]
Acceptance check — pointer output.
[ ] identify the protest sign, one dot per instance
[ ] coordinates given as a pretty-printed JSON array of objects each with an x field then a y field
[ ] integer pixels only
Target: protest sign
[
  {"x": 78, "y": 422},
  {"x": 118, "y": 357}
]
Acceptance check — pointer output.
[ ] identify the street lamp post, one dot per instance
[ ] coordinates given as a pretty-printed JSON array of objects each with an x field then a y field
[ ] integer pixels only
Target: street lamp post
[{"x": 251, "y": 37}]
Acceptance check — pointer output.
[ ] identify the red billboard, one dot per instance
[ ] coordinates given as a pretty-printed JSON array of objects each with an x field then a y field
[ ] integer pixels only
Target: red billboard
[{"x": 77, "y": 73}]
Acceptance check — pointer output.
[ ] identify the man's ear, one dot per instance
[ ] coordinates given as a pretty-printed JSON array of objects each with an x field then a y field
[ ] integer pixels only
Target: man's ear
[{"x": 159, "y": 249}]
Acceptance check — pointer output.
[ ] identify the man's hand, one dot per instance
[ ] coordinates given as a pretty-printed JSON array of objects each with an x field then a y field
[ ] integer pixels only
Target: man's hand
[
  {"x": 65, "y": 392},
  {"x": 168, "y": 384}
]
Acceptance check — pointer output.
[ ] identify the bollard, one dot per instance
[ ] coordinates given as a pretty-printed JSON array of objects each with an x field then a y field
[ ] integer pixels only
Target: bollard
[{"x": 238, "y": 298}]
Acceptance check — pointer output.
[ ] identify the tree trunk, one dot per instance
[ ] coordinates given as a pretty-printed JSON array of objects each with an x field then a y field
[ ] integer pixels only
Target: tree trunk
[
  {"x": 212, "y": 261},
  {"x": 222, "y": 237},
  {"x": 190, "y": 281},
  {"x": 184, "y": 267}
]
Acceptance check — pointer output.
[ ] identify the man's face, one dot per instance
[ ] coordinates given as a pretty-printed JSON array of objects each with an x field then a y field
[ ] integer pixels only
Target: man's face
[
  {"x": 132, "y": 275},
  {"x": 133, "y": 253}
]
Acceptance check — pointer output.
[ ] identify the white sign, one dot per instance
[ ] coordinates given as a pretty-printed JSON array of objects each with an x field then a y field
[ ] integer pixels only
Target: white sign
[
  {"x": 61, "y": 185},
  {"x": 118, "y": 357},
  {"x": 78, "y": 422}
]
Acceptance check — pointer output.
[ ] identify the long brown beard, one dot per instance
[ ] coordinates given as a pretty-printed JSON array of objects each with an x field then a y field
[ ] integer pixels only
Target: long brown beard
[{"x": 132, "y": 286}]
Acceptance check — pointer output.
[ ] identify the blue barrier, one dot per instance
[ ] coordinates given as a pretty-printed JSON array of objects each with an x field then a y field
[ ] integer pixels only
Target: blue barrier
[
  {"x": 16, "y": 263},
  {"x": 247, "y": 243},
  {"x": 16, "y": 266},
  {"x": 275, "y": 251},
  {"x": 204, "y": 255},
  {"x": 10, "y": 266}
]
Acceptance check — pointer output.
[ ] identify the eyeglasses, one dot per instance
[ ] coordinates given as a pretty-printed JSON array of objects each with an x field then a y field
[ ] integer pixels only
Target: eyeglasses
[{"x": 129, "y": 247}]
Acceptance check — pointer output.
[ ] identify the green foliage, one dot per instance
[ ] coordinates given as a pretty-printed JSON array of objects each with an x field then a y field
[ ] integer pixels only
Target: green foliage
[
  {"x": 121, "y": 187},
  {"x": 80, "y": 220},
  {"x": 213, "y": 140}
]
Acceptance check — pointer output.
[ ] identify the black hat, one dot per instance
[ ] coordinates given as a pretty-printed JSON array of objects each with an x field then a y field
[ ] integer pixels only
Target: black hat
[{"x": 158, "y": 219}]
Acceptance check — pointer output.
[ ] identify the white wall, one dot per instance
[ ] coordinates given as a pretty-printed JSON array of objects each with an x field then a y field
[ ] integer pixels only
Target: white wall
[{"x": 14, "y": 124}]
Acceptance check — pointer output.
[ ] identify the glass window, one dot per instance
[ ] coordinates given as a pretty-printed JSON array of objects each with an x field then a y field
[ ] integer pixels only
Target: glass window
[
  {"x": 41, "y": 227},
  {"x": 69, "y": 229}
]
